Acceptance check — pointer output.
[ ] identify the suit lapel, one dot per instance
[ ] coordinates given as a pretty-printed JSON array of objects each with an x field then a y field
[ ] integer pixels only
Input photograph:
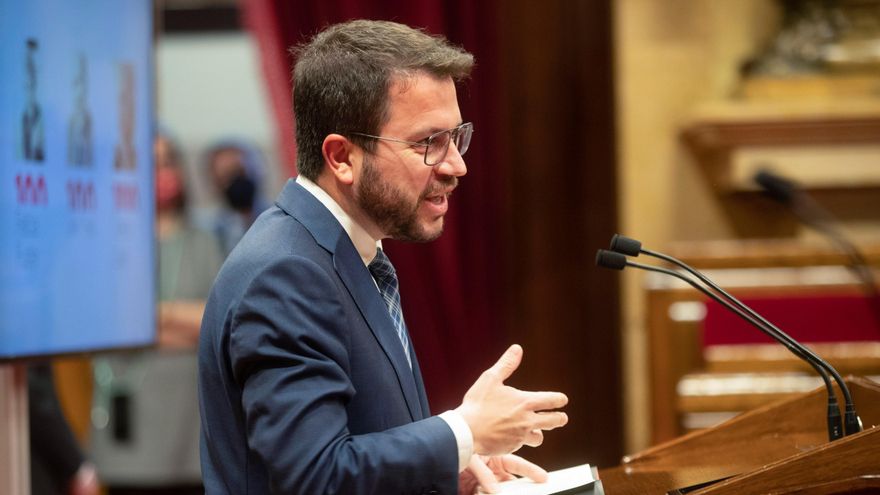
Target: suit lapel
[
  {"x": 300, "y": 204},
  {"x": 360, "y": 284}
]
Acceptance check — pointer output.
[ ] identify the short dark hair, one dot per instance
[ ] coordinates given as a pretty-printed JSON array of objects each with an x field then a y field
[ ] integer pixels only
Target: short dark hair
[{"x": 342, "y": 77}]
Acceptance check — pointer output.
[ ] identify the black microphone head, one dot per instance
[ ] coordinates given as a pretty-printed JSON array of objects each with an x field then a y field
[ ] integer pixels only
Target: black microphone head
[
  {"x": 625, "y": 245},
  {"x": 778, "y": 188},
  {"x": 610, "y": 259}
]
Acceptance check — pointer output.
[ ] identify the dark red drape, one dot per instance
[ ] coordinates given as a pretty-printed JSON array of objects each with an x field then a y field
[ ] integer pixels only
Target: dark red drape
[{"x": 450, "y": 288}]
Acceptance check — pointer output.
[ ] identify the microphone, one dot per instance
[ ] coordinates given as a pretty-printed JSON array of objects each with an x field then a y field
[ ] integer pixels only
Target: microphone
[
  {"x": 812, "y": 214},
  {"x": 616, "y": 259},
  {"x": 778, "y": 188},
  {"x": 851, "y": 420}
]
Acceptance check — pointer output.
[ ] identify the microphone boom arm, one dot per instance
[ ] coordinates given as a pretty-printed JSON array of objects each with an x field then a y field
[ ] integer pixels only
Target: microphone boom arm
[{"x": 852, "y": 422}]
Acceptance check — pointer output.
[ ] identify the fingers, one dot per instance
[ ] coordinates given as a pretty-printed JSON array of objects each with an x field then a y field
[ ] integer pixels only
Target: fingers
[
  {"x": 485, "y": 477},
  {"x": 488, "y": 471},
  {"x": 508, "y": 363},
  {"x": 544, "y": 401},
  {"x": 515, "y": 464},
  {"x": 550, "y": 420},
  {"x": 544, "y": 421},
  {"x": 534, "y": 438}
]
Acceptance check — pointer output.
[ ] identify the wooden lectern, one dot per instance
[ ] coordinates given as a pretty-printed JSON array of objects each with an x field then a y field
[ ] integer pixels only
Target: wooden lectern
[{"x": 780, "y": 448}]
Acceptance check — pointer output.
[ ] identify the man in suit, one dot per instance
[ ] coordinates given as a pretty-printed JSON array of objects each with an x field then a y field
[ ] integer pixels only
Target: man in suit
[{"x": 308, "y": 382}]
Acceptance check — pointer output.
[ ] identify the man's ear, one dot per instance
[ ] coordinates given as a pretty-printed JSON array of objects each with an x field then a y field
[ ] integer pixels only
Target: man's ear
[{"x": 338, "y": 153}]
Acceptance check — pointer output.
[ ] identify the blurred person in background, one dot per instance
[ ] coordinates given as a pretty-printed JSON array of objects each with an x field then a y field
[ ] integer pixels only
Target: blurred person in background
[
  {"x": 236, "y": 169},
  {"x": 58, "y": 465},
  {"x": 145, "y": 415}
]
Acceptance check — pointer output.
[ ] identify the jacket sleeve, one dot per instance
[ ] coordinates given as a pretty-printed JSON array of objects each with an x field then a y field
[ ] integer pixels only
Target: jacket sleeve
[{"x": 289, "y": 355}]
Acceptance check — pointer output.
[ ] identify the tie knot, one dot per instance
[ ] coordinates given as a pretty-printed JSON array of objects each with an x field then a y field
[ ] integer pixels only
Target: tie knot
[{"x": 381, "y": 266}]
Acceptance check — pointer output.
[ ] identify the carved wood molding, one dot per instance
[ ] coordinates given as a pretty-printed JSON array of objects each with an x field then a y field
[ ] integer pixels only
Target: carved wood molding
[
  {"x": 712, "y": 139},
  {"x": 760, "y": 253},
  {"x": 704, "y": 137}
]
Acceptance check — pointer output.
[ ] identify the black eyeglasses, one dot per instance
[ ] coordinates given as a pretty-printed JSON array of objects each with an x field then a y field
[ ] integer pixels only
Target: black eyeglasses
[{"x": 436, "y": 145}]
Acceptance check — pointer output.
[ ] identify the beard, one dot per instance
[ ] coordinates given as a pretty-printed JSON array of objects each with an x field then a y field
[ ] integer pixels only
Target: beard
[{"x": 390, "y": 209}]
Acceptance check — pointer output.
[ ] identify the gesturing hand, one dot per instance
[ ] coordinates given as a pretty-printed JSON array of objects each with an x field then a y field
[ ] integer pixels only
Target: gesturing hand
[
  {"x": 503, "y": 419},
  {"x": 486, "y": 472}
]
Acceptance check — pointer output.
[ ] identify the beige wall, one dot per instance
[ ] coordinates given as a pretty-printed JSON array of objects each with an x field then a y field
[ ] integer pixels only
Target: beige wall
[{"x": 671, "y": 56}]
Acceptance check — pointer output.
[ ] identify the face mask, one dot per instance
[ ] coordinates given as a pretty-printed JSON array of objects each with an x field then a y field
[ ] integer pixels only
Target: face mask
[
  {"x": 240, "y": 193},
  {"x": 169, "y": 188}
]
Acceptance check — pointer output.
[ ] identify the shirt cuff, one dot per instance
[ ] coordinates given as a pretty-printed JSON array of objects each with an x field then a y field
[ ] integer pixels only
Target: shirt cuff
[{"x": 463, "y": 437}]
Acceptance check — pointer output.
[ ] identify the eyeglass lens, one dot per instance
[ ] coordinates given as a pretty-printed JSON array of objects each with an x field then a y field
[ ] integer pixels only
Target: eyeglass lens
[{"x": 438, "y": 145}]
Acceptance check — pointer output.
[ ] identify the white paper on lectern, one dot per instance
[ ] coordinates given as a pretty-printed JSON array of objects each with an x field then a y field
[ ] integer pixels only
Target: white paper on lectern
[{"x": 563, "y": 479}]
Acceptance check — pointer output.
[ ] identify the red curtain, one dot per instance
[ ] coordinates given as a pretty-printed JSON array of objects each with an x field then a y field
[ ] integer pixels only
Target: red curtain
[{"x": 450, "y": 288}]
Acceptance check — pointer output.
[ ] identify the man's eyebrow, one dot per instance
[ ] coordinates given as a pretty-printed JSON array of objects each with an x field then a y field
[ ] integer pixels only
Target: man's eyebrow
[{"x": 429, "y": 131}]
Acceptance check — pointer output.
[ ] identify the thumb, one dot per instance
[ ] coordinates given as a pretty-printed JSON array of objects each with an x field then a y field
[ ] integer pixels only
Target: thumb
[{"x": 508, "y": 362}]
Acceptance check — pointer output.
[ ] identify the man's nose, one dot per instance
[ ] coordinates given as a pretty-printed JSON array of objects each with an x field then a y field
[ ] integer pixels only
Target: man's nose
[{"x": 452, "y": 164}]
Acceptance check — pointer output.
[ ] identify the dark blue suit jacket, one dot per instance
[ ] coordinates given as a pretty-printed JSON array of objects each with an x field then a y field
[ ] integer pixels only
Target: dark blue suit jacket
[{"x": 304, "y": 387}]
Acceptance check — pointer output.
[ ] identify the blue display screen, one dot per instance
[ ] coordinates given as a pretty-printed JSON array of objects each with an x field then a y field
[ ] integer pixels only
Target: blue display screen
[{"x": 77, "y": 263}]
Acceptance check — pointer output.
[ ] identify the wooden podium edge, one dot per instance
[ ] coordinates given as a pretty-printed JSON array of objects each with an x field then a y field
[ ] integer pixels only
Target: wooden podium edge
[
  {"x": 846, "y": 459},
  {"x": 778, "y": 448},
  {"x": 657, "y": 451}
]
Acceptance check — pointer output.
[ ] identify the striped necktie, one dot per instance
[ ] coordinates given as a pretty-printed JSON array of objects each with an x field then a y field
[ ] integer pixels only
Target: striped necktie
[{"x": 386, "y": 278}]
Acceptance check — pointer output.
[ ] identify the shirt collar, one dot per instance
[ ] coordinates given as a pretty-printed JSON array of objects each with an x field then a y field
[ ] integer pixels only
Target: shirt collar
[{"x": 365, "y": 244}]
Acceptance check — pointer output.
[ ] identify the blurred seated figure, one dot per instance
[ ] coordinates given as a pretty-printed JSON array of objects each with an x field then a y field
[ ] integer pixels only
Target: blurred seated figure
[
  {"x": 145, "y": 414},
  {"x": 236, "y": 170},
  {"x": 58, "y": 465}
]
